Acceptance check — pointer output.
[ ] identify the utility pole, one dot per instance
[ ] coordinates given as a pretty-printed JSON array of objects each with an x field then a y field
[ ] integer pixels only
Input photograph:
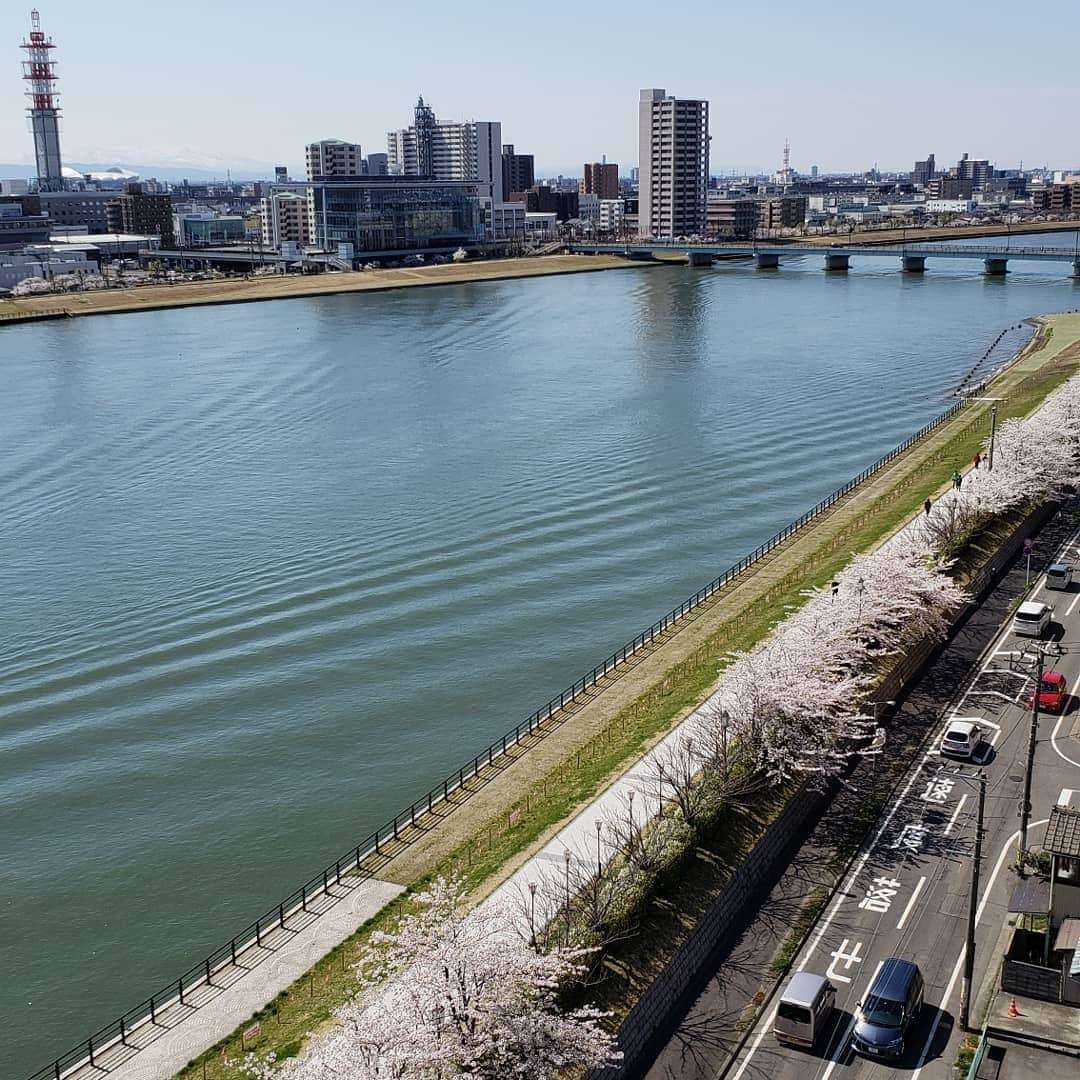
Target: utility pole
[
  {"x": 973, "y": 907},
  {"x": 1025, "y": 809}
]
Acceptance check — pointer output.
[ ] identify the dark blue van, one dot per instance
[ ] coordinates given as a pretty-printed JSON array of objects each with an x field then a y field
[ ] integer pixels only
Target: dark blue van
[{"x": 890, "y": 1008}]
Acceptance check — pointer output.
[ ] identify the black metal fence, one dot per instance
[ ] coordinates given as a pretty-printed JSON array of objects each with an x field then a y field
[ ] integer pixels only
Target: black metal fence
[{"x": 202, "y": 974}]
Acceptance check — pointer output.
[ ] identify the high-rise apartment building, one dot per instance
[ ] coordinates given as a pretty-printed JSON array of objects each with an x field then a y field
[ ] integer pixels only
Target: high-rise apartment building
[
  {"x": 977, "y": 171},
  {"x": 673, "y": 156},
  {"x": 924, "y": 171},
  {"x": 518, "y": 171},
  {"x": 471, "y": 150},
  {"x": 601, "y": 178},
  {"x": 333, "y": 157},
  {"x": 143, "y": 213},
  {"x": 286, "y": 218}
]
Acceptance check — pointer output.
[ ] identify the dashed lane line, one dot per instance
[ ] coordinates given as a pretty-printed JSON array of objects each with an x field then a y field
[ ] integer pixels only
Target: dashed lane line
[{"x": 918, "y": 888}]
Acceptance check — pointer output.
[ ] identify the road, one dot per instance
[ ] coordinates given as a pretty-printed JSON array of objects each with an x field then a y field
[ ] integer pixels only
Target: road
[{"x": 907, "y": 893}]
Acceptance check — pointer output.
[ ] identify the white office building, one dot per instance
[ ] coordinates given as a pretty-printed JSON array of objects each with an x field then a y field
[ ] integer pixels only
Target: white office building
[
  {"x": 673, "y": 149},
  {"x": 471, "y": 150}
]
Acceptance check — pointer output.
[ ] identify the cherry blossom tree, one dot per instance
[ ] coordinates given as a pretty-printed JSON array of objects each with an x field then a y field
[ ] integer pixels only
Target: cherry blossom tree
[{"x": 454, "y": 993}]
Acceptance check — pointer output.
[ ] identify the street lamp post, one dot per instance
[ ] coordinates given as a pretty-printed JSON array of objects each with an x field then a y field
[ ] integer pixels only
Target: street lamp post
[
  {"x": 567, "y": 857},
  {"x": 599, "y": 860},
  {"x": 532, "y": 914},
  {"x": 993, "y": 428},
  {"x": 1033, "y": 734},
  {"x": 973, "y": 904}
]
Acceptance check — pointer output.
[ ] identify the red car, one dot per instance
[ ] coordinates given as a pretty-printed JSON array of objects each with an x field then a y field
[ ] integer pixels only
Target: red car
[{"x": 1052, "y": 694}]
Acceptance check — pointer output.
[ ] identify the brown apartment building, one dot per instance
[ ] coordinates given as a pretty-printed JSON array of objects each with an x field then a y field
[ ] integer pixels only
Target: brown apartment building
[
  {"x": 601, "y": 178},
  {"x": 141, "y": 213}
]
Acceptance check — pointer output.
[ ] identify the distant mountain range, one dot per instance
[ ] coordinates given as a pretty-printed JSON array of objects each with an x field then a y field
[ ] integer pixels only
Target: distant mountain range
[{"x": 171, "y": 173}]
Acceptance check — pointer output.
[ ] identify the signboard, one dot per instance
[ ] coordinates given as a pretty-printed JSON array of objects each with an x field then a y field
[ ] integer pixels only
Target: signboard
[
  {"x": 515, "y": 817},
  {"x": 250, "y": 1033},
  {"x": 1028, "y": 545}
]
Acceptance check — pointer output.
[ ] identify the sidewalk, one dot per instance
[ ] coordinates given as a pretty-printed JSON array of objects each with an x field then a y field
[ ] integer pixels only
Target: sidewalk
[{"x": 180, "y": 1032}]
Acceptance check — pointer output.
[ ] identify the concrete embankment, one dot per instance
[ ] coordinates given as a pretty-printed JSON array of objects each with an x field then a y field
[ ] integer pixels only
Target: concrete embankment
[
  {"x": 510, "y": 809},
  {"x": 254, "y": 290}
]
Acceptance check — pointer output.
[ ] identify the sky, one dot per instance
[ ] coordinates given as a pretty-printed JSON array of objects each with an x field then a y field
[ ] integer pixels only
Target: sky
[{"x": 244, "y": 86}]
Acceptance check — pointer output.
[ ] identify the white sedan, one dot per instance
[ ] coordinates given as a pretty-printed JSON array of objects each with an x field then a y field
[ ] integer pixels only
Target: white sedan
[{"x": 961, "y": 737}]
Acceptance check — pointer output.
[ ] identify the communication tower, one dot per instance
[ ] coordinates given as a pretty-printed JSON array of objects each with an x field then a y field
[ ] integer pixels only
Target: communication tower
[{"x": 39, "y": 71}]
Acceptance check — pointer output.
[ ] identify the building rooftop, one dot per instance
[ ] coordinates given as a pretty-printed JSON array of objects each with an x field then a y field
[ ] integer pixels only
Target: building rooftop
[{"x": 1063, "y": 832}]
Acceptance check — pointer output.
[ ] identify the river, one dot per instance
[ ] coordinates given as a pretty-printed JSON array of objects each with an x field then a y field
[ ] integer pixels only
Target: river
[{"x": 270, "y": 570}]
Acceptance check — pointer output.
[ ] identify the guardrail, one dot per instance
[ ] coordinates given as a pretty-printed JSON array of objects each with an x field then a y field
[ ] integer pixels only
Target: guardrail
[
  {"x": 22, "y": 316},
  {"x": 352, "y": 862}
]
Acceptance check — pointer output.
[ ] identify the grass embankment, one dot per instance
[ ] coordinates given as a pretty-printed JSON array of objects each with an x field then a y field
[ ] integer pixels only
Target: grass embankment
[
  {"x": 485, "y": 850},
  {"x": 251, "y": 290}
]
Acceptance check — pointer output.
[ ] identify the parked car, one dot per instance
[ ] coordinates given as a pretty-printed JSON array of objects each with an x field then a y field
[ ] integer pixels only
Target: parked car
[
  {"x": 805, "y": 1009},
  {"x": 1031, "y": 619},
  {"x": 962, "y": 735},
  {"x": 1059, "y": 576},
  {"x": 891, "y": 1007},
  {"x": 1052, "y": 693}
]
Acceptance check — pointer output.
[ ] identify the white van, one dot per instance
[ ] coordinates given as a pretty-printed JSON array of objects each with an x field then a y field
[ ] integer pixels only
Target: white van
[
  {"x": 1031, "y": 619},
  {"x": 1059, "y": 576},
  {"x": 805, "y": 1009}
]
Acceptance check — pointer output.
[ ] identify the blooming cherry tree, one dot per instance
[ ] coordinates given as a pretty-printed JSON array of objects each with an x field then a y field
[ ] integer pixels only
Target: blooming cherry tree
[{"x": 455, "y": 993}]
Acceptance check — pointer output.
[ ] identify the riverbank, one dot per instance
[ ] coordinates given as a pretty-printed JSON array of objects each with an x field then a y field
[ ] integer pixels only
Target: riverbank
[
  {"x": 514, "y": 808},
  {"x": 254, "y": 290}
]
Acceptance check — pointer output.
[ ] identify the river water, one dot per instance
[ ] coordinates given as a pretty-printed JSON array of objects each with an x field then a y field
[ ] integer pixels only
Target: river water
[{"x": 269, "y": 571}]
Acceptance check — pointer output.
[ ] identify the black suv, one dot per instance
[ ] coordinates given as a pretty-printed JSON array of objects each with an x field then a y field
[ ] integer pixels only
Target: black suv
[{"x": 891, "y": 1007}]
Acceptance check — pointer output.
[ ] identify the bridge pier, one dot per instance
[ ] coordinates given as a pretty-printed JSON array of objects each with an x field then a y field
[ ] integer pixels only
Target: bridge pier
[
  {"x": 699, "y": 258},
  {"x": 765, "y": 261},
  {"x": 995, "y": 266},
  {"x": 913, "y": 264},
  {"x": 1076, "y": 268},
  {"x": 837, "y": 261}
]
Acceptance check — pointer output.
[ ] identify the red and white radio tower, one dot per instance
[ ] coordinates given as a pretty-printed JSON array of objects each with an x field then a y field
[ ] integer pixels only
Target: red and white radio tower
[{"x": 39, "y": 70}]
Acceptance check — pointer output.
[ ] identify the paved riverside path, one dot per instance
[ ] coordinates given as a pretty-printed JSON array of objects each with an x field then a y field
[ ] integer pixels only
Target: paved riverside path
[{"x": 182, "y": 1032}]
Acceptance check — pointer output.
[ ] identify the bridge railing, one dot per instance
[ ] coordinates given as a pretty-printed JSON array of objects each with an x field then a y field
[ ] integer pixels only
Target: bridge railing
[{"x": 351, "y": 865}]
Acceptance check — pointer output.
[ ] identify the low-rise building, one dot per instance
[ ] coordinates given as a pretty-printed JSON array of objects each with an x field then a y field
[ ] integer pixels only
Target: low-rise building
[
  {"x": 200, "y": 230},
  {"x": 503, "y": 221},
  {"x": 541, "y": 227},
  {"x": 950, "y": 206},
  {"x": 78, "y": 209},
  {"x": 782, "y": 212},
  {"x": 399, "y": 214},
  {"x": 612, "y": 216},
  {"x": 732, "y": 218},
  {"x": 44, "y": 261}
]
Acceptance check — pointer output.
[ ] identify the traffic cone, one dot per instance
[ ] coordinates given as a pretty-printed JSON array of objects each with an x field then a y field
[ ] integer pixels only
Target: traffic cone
[{"x": 1013, "y": 1010}]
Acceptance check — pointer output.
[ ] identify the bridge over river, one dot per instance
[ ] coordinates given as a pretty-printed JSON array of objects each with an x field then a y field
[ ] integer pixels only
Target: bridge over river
[{"x": 912, "y": 257}]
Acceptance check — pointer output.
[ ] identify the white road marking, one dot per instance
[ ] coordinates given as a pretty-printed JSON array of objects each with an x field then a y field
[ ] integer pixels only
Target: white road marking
[
  {"x": 1057, "y": 749},
  {"x": 767, "y": 1026},
  {"x": 845, "y": 1042},
  {"x": 955, "y": 814},
  {"x": 1005, "y": 850},
  {"x": 915, "y": 894},
  {"x": 1072, "y": 606}
]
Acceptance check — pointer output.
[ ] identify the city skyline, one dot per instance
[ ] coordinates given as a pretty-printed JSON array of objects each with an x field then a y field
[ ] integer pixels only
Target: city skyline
[{"x": 846, "y": 96}]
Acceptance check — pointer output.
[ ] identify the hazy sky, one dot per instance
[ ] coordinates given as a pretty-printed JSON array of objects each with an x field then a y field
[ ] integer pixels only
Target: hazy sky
[{"x": 245, "y": 85}]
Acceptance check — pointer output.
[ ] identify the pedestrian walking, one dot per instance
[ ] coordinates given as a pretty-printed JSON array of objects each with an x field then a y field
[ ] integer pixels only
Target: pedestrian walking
[
  {"x": 926, "y": 506},
  {"x": 957, "y": 480},
  {"x": 976, "y": 459}
]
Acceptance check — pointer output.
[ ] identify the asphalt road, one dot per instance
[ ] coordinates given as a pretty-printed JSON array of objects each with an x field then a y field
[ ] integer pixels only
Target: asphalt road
[{"x": 907, "y": 894}]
